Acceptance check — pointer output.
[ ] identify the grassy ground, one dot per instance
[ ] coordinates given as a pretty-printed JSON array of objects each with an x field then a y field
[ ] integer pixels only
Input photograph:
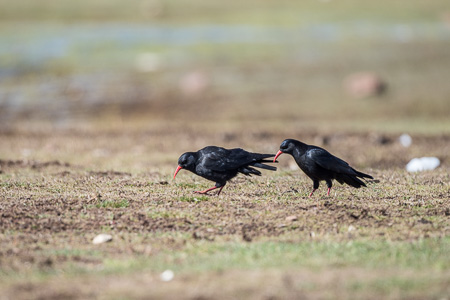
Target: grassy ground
[
  {"x": 89, "y": 144},
  {"x": 389, "y": 240}
]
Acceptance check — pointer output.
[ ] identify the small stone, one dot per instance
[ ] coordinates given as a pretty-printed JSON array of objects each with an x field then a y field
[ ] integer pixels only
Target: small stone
[
  {"x": 351, "y": 228},
  {"x": 405, "y": 140},
  {"x": 291, "y": 218},
  {"x": 148, "y": 62},
  {"x": 423, "y": 164},
  {"x": 312, "y": 234},
  {"x": 102, "y": 238},
  {"x": 194, "y": 83},
  {"x": 167, "y": 275},
  {"x": 364, "y": 84}
]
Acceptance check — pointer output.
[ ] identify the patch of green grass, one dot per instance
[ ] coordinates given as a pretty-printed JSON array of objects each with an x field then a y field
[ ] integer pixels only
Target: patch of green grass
[
  {"x": 16, "y": 184},
  {"x": 194, "y": 199},
  {"x": 113, "y": 203},
  {"x": 421, "y": 254},
  {"x": 426, "y": 254},
  {"x": 186, "y": 185}
]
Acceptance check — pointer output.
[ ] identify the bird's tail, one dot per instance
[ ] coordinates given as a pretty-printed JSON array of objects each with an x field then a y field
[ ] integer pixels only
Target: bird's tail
[
  {"x": 362, "y": 175},
  {"x": 350, "y": 180},
  {"x": 353, "y": 180},
  {"x": 259, "y": 163},
  {"x": 260, "y": 159},
  {"x": 263, "y": 166},
  {"x": 249, "y": 171}
]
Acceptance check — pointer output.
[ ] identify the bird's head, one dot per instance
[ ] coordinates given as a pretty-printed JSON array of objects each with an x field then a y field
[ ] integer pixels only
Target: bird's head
[
  {"x": 186, "y": 161},
  {"x": 287, "y": 146}
]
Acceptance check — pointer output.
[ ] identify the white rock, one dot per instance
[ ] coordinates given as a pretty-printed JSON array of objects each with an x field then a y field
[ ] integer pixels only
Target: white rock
[
  {"x": 167, "y": 275},
  {"x": 194, "y": 83},
  {"x": 148, "y": 62},
  {"x": 364, "y": 84},
  {"x": 423, "y": 164},
  {"x": 351, "y": 228},
  {"x": 405, "y": 139},
  {"x": 102, "y": 238}
]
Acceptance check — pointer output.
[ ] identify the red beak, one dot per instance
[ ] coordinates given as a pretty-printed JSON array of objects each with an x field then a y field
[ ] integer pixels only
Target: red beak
[
  {"x": 278, "y": 154},
  {"x": 178, "y": 169}
]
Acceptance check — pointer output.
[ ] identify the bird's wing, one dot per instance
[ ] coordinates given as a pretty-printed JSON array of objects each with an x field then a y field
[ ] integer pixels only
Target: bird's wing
[
  {"x": 214, "y": 158},
  {"x": 330, "y": 162},
  {"x": 224, "y": 160}
]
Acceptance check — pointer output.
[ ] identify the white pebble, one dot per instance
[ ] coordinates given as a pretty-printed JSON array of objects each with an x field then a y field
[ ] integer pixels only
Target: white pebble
[
  {"x": 423, "y": 164},
  {"x": 148, "y": 62},
  {"x": 405, "y": 139},
  {"x": 102, "y": 238},
  {"x": 167, "y": 275}
]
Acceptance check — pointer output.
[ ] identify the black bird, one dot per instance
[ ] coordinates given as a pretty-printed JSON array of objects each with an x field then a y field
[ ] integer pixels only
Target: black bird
[
  {"x": 220, "y": 165},
  {"x": 320, "y": 165}
]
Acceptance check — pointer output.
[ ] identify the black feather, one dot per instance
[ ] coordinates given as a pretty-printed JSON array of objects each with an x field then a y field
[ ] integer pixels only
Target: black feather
[
  {"x": 263, "y": 166},
  {"x": 220, "y": 165},
  {"x": 318, "y": 164}
]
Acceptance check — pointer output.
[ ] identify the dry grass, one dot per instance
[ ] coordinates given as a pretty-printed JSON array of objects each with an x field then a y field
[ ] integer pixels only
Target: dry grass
[
  {"x": 89, "y": 145},
  {"x": 388, "y": 240}
]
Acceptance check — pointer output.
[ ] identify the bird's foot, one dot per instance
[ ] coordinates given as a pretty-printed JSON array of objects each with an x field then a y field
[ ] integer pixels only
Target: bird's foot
[
  {"x": 312, "y": 193},
  {"x": 202, "y": 192},
  {"x": 205, "y": 192}
]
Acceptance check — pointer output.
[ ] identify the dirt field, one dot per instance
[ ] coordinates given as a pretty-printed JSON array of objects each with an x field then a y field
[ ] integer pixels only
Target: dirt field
[
  {"x": 98, "y": 99},
  {"x": 261, "y": 238}
]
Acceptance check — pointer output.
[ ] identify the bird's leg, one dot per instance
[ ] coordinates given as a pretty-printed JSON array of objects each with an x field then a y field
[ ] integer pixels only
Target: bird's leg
[
  {"x": 205, "y": 192},
  {"x": 315, "y": 187},
  {"x": 220, "y": 190},
  {"x": 329, "y": 185},
  {"x": 218, "y": 185}
]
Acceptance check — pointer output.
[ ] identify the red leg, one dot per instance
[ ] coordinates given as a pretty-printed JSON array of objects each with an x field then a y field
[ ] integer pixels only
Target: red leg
[
  {"x": 220, "y": 190},
  {"x": 205, "y": 192},
  {"x": 329, "y": 189},
  {"x": 312, "y": 192}
]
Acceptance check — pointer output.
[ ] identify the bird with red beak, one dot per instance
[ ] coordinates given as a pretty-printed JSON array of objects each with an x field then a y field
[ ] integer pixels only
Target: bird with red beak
[
  {"x": 220, "y": 165},
  {"x": 318, "y": 164}
]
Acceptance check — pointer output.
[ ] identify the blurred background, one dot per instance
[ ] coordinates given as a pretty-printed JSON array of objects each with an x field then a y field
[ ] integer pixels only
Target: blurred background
[{"x": 322, "y": 64}]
